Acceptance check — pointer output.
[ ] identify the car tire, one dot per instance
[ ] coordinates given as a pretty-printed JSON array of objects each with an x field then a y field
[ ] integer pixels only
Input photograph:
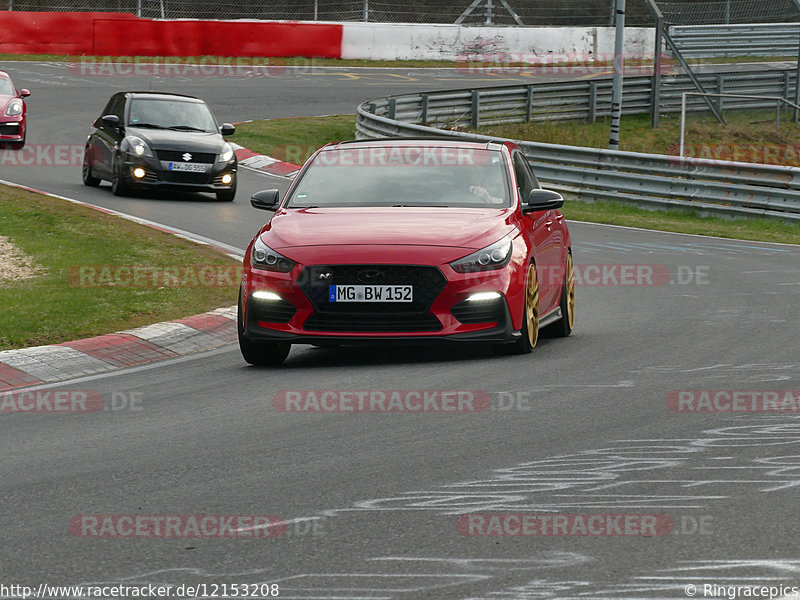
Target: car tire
[
  {"x": 530, "y": 318},
  {"x": 119, "y": 187},
  {"x": 563, "y": 327},
  {"x": 227, "y": 195},
  {"x": 86, "y": 171},
  {"x": 262, "y": 354}
]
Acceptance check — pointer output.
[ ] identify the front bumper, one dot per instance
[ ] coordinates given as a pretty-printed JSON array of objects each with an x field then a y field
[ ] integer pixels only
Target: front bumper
[
  {"x": 302, "y": 317},
  {"x": 157, "y": 176},
  {"x": 12, "y": 129}
]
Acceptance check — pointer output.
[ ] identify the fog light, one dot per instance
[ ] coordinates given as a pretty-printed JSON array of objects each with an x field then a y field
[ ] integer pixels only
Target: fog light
[
  {"x": 261, "y": 295},
  {"x": 227, "y": 178},
  {"x": 138, "y": 172},
  {"x": 484, "y": 296}
]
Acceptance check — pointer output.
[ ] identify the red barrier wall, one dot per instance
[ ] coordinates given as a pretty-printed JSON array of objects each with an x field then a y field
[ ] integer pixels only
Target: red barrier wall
[
  {"x": 120, "y": 34},
  {"x": 49, "y": 32}
]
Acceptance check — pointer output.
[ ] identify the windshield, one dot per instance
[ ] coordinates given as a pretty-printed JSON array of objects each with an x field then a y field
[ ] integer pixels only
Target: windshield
[
  {"x": 171, "y": 114},
  {"x": 6, "y": 87},
  {"x": 404, "y": 176}
]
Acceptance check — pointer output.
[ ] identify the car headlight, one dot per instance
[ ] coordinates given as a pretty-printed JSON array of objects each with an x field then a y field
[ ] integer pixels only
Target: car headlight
[
  {"x": 14, "y": 108},
  {"x": 494, "y": 256},
  {"x": 227, "y": 152},
  {"x": 137, "y": 146},
  {"x": 264, "y": 257}
]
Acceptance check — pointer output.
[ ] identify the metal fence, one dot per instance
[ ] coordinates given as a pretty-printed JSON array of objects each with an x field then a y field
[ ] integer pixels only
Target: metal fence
[{"x": 664, "y": 181}]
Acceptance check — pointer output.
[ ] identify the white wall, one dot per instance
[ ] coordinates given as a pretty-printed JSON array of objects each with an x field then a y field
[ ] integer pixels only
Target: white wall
[{"x": 388, "y": 41}]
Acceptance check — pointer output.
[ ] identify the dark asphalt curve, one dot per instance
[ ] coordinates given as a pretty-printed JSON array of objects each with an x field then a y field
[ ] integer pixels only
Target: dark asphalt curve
[{"x": 580, "y": 427}]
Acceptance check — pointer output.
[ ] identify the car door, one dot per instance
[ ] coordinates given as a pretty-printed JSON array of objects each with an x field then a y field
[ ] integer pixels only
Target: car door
[
  {"x": 543, "y": 232},
  {"x": 106, "y": 138}
]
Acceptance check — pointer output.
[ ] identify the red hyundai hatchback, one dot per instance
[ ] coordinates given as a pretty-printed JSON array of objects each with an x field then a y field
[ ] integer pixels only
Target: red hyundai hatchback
[
  {"x": 403, "y": 240},
  {"x": 12, "y": 113}
]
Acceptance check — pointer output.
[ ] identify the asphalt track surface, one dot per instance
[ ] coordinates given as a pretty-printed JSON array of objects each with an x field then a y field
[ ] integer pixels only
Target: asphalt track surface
[{"x": 581, "y": 426}]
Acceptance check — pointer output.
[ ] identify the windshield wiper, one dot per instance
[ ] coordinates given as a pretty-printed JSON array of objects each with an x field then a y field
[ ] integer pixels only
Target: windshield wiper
[
  {"x": 420, "y": 206},
  {"x": 150, "y": 125},
  {"x": 304, "y": 206},
  {"x": 186, "y": 128}
]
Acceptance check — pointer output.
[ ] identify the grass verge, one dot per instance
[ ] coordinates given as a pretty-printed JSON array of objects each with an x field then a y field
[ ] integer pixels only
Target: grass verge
[
  {"x": 294, "y": 140},
  {"x": 61, "y": 237},
  {"x": 748, "y": 136}
]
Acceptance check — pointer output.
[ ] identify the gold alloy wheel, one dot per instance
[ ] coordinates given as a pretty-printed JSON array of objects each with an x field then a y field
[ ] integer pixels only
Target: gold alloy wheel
[
  {"x": 570, "y": 283},
  {"x": 532, "y": 306}
]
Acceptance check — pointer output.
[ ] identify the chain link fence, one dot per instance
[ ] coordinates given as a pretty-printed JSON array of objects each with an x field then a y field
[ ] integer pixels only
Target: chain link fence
[
  {"x": 729, "y": 12},
  {"x": 588, "y": 13}
]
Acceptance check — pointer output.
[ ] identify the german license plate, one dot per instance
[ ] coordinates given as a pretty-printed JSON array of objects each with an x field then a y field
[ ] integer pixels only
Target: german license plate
[
  {"x": 189, "y": 167},
  {"x": 370, "y": 293}
]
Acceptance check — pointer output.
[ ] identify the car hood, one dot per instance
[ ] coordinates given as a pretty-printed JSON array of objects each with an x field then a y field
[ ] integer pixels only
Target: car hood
[
  {"x": 167, "y": 139},
  {"x": 471, "y": 228}
]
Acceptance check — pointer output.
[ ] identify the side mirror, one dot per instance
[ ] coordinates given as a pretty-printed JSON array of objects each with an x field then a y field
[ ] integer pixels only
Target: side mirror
[
  {"x": 23, "y": 93},
  {"x": 265, "y": 200},
  {"x": 110, "y": 120},
  {"x": 543, "y": 200},
  {"x": 227, "y": 129}
]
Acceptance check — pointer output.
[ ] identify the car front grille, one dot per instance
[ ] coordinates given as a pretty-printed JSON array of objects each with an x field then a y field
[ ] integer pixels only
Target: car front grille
[
  {"x": 9, "y": 128},
  {"x": 177, "y": 156},
  {"x": 380, "y": 317},
  {"x": 427, "y": 282},
  {"x": 184, "y": 177},
  {"x": 373, "y": 323}
]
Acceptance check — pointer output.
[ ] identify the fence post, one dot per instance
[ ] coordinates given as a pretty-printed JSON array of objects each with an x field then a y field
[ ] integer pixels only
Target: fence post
[
  {"x": 476, "y": 107},
  {"x": 592, "y": 101},
  {"x": 720, "y": 90},
  {"x": 655, "y": 89},
  {"x": 372, "y": 108},
  {"x": 392, "y": 107},
  {"x": 529, "y": 104},
  {"x": 424, "y": 116}
]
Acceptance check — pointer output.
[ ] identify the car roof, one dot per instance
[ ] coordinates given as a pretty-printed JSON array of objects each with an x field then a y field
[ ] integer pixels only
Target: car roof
[
  {"x": 4, "y": 74},
  {"x": 159, "y": 95},
  {"x": 430, "y": 141}
]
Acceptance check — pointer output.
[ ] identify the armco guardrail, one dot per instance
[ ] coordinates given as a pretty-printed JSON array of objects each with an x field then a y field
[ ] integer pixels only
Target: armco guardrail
[
  {"x": 734, "y": 188},
  {"x": 761, "y": 39},
  {"x": 586, "y": 100}
]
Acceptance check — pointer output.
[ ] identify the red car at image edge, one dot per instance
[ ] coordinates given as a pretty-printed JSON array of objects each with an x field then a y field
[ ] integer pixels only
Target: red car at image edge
[
  {"x": 12, "y": 113},
  {"x": 407, "y": 240}
]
